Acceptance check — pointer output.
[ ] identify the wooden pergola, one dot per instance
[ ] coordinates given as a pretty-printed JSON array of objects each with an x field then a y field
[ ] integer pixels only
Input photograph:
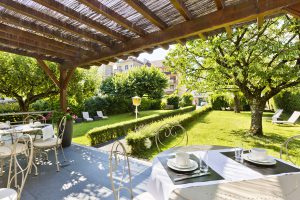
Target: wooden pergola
[{"x": 81, "y": 33}]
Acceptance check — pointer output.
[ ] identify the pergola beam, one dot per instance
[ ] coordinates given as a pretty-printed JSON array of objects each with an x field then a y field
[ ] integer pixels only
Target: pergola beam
[
  {"x": 219, "y": 4},
  {"x": 182, "y": 9},
  {"x": 40, "y": 16},
  {"x": 147, "y": 13},
  {"x": 48, "y": 71},
  {"x": 112, "y": 15},
  {"x": 29, "y": 54},
  {"x": 246, "y": 11},
  {"x": 60, "y": 8},
  {"x": 86, "y": 45},
  {"x": 294, "y": 10}
]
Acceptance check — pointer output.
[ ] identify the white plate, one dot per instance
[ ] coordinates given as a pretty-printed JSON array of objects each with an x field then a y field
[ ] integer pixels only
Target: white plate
[
  {"x": 268, "y": 161},
  {"x": 172, "y": 165}
]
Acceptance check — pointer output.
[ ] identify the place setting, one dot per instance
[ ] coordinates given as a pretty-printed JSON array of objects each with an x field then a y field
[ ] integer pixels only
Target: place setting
[
  {"x": 185, "y": 168},
  {"x": 259, "y": 160}
]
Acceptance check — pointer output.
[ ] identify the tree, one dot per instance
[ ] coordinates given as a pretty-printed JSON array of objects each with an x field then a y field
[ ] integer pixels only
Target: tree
[
  {"x": 22, "y": 79},
  {"x": 259, "y": 61},
  {"x": 140, "y": 81}
]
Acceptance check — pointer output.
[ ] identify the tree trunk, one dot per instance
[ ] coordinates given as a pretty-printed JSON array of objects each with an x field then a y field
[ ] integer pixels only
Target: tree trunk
[
  {"x": 237, "y": 103},
  {"x": 257, "y": 109},
  {"x": 24, "y": 107}
]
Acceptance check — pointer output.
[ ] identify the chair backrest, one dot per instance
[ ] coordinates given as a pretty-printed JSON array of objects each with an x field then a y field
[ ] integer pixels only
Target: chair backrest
[
  {"x": 287, "y": 149},
  {"x": 35, "y": 118},
  {"x": 168, "y": 131},
  {"x": 120, "y": 167},
  {"x": 61, "y": 128},
  {"x": 85, "y": 115},
  {"x": 23, "y": 165},
  {"x": 294, "y": 117},
  {"x": 99, "y": 113},
  {"x": 277, "y": 114}
]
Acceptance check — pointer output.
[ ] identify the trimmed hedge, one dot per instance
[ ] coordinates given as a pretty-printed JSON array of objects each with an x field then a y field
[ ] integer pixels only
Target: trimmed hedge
[
  {"x": 139, "y": 140},
  {"x": 105, "y": 133}
]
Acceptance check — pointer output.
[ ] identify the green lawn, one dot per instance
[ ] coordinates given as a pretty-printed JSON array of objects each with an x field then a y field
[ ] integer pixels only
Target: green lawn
[
  {"x": 80, "y": 129},
  {"x": 229, "y": 129}
]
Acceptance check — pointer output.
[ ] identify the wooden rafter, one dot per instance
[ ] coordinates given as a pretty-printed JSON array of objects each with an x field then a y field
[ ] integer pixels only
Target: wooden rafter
[
  {"x": 294, "y": 10},
  {"x": 100, "y": 8},
  {"x": 48, "y": 32},
  {"x": 245, "y": 11},
  {"x": 10, "y": 41},
  {"x": 42, "y": 41},
  {"x": 30, "y": 12},
  {"x": 147, "y": 13},
  {"x": 48, "y": 71},
  {"x": 183, "y": 10},
  {"x": 29, "y": 54},
  {"x": 68, "y": 77},
  {"x": 219, "y": 4},
  {"x": 60, "y": 8}
]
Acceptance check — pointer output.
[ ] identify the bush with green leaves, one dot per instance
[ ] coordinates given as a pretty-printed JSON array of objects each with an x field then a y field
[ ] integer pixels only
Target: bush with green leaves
[
  {"x": 102, "y": 134},
  {"x": 288, "y": 101},
  {"x": 139, "y": 140},
  {"x": 219, "y": 101},
  {"x": 186, "y": 100},
  {"x": 173, "y": 100}
]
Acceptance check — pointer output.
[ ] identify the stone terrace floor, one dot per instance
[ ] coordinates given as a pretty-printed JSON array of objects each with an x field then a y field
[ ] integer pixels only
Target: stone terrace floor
[{"x": 85, "y": 176}]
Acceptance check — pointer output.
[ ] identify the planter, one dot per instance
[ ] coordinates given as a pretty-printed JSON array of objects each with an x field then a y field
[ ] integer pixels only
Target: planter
[{"x": 67, "y": 137}]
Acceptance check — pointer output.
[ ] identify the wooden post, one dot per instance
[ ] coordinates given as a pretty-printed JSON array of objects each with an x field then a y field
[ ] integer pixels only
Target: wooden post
[{"x": 63, "y": 90}]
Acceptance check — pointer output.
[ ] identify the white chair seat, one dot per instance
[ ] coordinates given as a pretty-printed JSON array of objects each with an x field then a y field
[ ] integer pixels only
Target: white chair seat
[
  {"x": 7, "y": 149},
  {"x": 8, "y": 194},
  {"x": 89, "y": 119},
  {"x": 144, "y": 196},
  {"x": 51, "y": 142}
]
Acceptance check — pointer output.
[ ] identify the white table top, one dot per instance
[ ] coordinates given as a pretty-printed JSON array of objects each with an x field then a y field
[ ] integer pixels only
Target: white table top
[{"x": 161, "y": 186}]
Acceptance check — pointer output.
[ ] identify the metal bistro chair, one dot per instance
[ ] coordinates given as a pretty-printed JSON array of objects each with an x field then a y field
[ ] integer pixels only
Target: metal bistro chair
[
  {"x": 285, "y": 149},
  {"x": 35, "y": 118},
  {"x": 21, "y": 168},
  {"x": 119, "y": 163},
  {"x": 53, "y": 143},
  {"x": 170, "y": 130}
]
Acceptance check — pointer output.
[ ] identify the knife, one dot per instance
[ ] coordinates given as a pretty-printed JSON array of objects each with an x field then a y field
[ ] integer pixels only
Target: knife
[{"x": 192, "y": 176}]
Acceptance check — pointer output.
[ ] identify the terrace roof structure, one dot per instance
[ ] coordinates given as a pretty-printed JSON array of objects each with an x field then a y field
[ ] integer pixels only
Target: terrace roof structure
[{"x": 81, "y": 33}]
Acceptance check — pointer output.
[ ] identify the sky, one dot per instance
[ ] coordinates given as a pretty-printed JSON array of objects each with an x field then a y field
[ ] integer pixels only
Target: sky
[{"x": 157, "y": 54}]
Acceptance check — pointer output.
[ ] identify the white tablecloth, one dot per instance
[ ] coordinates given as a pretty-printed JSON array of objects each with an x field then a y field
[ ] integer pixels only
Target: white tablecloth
[{"x": 161, "y": 186}]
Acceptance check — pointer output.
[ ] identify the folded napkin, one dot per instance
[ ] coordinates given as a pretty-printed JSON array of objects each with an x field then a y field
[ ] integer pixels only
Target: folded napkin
[
  {"x": 48, "y": 132},
  {"x": 4, "y": 125}
]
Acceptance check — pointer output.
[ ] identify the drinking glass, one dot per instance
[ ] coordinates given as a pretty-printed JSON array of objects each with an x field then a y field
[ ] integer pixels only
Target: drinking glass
[
  {"x": 203, "y": 163},
  {"x": 238, "y": 151}
]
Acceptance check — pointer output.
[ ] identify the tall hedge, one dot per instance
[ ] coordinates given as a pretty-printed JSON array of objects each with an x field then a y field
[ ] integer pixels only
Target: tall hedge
[
  {"x": 105, "y": 133},
  {"x": 137, "y": 139},
  {"x": 287, "y": 101}
]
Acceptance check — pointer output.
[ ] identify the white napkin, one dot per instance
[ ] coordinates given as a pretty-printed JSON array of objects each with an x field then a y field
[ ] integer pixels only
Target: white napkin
[
  {"x": 48, "y": 132},
  {"x": 4, "y": 125}
]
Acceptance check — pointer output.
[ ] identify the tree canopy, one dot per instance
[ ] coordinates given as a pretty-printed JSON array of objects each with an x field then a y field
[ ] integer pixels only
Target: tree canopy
[
  {"x": 259, "y": 61},
  {"x": 141, "y": 81},
  {"x": 21, "y": 78}
]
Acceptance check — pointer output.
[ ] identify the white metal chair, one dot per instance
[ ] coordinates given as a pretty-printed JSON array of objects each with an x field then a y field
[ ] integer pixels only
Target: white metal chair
[
  {"x": 21, "y": 167},
  {"x": 277, "y": 114},
  {"x": 170, "y": 130},
  {"x": 34, "y": 118},
  {"x": 292, "y": 120},
  {"x": 53, "y": 143},
  {"x": 86, "y": 116},
  {"x": 119, "y": 164},
  {"x": 100, "y": 114},
  {"x": 285, "y": 149}
]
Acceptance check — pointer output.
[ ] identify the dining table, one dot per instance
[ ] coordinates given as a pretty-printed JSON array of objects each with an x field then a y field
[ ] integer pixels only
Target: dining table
[{"x": 228, "y": 179}]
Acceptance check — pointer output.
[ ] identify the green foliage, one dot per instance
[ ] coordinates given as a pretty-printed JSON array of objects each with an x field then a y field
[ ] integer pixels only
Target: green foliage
[
  {"x": 105, "y": 133},
  {"x": 140, "y": 81},
  {"x": 136, "y": 139},
  {"x": 219, "y": 101},
  {"x": 173, "y": 100},
  {"x": 288, "y": 101},
  {"x": 186, "y": 100},
  {"x": 10, "y": 108}
]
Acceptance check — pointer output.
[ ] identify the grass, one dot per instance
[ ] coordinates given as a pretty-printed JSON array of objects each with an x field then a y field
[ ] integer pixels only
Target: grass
[
  {"x": 226, "y": 128},
  {"x": 80, "y": 129}
]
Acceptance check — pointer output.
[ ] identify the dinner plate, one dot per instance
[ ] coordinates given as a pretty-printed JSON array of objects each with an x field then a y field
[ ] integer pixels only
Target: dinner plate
[
  {"x": 268, "y": 161},
  {"x": 172, "y": 165}
]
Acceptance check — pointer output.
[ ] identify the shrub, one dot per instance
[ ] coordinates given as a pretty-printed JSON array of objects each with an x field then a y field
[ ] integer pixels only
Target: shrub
[
  {"x": 287, "y": 101},
  {"x": 105, "y": 133},
  {"x": 219, "y": 101},
  {"x": 186, "y": 100},
  {"x": 136, "y": 140},
  {"x": 173, "y": 100}
]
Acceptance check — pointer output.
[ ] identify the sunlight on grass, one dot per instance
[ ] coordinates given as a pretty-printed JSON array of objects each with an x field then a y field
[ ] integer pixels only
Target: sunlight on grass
[
  {"x": 80, "y": 129},
  {"x": 226, "y": 128}
]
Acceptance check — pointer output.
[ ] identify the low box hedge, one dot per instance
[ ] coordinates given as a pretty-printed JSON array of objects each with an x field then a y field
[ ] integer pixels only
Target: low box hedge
[
  {"x": 102, "y": 134},
  {"x": 138, "y": 140}
]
